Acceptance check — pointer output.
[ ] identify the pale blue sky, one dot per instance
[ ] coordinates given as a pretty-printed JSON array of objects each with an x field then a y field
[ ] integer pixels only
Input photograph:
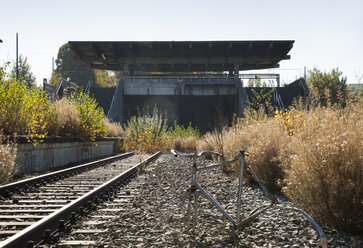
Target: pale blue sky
[{"x": 327, "y": 34}]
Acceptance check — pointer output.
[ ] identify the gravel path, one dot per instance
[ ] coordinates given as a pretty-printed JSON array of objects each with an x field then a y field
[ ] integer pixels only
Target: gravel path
[{"x": 152, "y": 218}]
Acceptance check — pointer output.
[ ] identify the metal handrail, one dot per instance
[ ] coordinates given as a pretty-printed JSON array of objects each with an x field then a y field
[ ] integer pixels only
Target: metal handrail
[{"x": 208, "y": 76}]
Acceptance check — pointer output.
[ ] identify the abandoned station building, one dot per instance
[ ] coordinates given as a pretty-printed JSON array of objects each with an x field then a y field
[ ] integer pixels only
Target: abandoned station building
[{"x": 192, "y": 81}]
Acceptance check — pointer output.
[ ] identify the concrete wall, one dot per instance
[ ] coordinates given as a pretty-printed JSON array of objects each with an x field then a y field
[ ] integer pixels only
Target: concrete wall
[
  {"x": 53, "y": 155},
  {"x": 179, "y": 86}
]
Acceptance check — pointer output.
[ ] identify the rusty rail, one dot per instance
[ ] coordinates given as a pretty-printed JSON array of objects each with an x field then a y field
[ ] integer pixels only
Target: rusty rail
[
  {"x": 44, "y": 231},
  {"x": 8, "y": 189}
]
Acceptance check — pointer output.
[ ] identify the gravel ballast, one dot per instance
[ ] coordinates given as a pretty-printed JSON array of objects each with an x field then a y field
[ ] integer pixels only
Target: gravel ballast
[{"x": 152, "y": 217}]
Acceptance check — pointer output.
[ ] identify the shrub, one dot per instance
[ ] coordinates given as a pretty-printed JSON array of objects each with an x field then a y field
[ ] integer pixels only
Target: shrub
[
  {"x": 91, "y": 117},
  {"x": 181, "y": 131},
  {"x": 324, "y": 175},
  {"x": 23, "y": 111},
  {"x": 327, "y": 87},
  {"x": 146, "y": 132},
  {"x": 7, "y": 160},
  {"x": 114, "y": 129}
]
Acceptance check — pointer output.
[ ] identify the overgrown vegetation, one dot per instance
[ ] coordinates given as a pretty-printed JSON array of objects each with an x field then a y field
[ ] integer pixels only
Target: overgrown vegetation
[
  {"x": 146, "y": 132},
  {"x": 28, "y": 111},
  {"x": 328, "y": 86},
  {"x": 312, "y": 153},
  {"x": 23, "y": 110},
  {"x": 149, "y": 132},
  {"x": 91, "y": 117},
  {"x": 324, "y": 171}
]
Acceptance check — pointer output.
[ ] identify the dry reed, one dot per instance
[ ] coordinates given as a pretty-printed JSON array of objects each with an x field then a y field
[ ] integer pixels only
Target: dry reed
[{"x": 7, "y": 160}]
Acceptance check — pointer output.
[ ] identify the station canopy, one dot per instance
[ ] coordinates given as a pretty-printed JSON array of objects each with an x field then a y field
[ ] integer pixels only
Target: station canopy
[{"x": 182, "y": 56}]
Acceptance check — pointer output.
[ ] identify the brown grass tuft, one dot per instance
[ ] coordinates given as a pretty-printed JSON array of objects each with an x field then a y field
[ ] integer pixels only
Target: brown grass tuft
[
  {"x": 68, "y": 119},
  {"x": 114, "y": 129},
  {"x": 185, "y": 144},
  {"x": 7, "y": 160},
  {"x": 263, "y": 139}
]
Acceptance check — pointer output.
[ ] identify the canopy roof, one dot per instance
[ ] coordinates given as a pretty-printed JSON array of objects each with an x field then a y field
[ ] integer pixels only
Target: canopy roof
[{"x": 182, "y": 56}]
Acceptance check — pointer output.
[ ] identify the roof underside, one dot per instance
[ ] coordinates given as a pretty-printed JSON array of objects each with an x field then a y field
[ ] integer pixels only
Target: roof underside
[{"x": 182, "y": 56}]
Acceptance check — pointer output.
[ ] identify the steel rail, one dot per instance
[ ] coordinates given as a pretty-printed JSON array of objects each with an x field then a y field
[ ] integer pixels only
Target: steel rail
[
  {"x": 52, "y": 222},
  {"x": 6, "y": 190}
]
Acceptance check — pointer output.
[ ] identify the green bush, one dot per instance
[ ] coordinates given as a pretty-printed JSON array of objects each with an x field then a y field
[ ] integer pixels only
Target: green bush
[
  {"x": 328, "y": 87},
  {"x": 91, "y": 117},
  {"x": 181, "y": 131},
  {"x": 23, "y": 110},
  {"x": 146, "y": 132}
]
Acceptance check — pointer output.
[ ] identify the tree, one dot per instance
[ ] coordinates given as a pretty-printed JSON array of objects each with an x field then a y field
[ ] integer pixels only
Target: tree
[
  {"x": 254, "y": 82},
  {"x": 25, "y": 75},
  {"x": 327, "y": 87},
  {"x": 69, "y": 66},
  {"x": 105, "y": 78}
]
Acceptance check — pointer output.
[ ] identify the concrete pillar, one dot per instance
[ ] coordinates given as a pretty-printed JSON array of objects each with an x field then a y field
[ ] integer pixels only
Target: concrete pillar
[
  {"x": 236, "y": 71},
  {"x": 126, "y": 71},
  {"x": 278, "y": 81},
  {"x": 121, "y": 101},
  {"x": 241, "y": 93}
]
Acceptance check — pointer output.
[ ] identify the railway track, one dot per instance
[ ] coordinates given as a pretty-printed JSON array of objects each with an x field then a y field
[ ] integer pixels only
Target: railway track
[
  {"x": 34, "y": 211},
  {"x": 93, "y": 228}
]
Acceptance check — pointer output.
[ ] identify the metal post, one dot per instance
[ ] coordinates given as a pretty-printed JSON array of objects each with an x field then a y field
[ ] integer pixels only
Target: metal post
[
  {"x": 17, "y": 66},
  {"x": 194, "y": 180},
  {"x": 241, "y": 167},
  {"x": 305, "y": 72}
]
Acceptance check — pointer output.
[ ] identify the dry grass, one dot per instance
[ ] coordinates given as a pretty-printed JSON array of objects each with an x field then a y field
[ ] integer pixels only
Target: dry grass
[
  {"x": 316, "y": 156},
  {"x": 324, "y": 175},
  {"x": 65, "y": 120},
  {"x": 114, "y": 129},
  {"x": 7, "y": 160},
  {"x": 185, "y": 144},
  {"x": 262, "y": 138}
]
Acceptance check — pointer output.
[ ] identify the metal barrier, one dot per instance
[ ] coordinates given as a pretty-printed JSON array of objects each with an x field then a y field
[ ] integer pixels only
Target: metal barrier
[{"x": 196, "y": 190}]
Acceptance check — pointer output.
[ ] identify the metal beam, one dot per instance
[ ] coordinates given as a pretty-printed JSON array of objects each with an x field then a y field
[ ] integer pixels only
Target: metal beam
[
  {"x": 185, "y": 60},
  {"x": 268, "y": 49}
]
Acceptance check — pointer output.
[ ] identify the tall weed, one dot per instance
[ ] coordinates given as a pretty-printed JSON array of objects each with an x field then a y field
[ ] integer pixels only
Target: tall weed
[
  {"x": 146, "y": 132},
  {"x": 324, "y": 175},
  {"x": 114, "y": 129}
]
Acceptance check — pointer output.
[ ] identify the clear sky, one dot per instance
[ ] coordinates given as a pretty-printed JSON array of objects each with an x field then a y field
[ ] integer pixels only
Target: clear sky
[{"x": 327, "y": 34}]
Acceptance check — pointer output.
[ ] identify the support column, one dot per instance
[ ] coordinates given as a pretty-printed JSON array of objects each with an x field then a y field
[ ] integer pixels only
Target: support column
[
  {"x": 240, "y": 91},
  {"x": 120, "y": 94},
  {"x": 236, "y": 71}
]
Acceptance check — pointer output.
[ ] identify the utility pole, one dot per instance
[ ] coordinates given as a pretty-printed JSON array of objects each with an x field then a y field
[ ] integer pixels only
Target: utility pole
[
  {"x": 305, "y": 72},
  {"x": 17, "y": 61}
]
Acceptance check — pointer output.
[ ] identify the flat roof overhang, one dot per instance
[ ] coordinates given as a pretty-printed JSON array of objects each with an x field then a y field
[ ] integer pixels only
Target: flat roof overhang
[{"x": 182, "y": 56}]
